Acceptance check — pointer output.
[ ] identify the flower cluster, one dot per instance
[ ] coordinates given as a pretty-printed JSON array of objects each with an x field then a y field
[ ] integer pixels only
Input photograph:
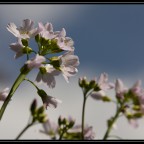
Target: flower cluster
[
  {"x": 48, "y": 42},
  {"x": 131, "y": 100},
  {"x": 55, "y": 56}
]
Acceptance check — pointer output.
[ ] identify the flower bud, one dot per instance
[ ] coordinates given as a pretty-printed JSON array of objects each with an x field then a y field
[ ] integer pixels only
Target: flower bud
[
  {"x": 24, "y": 42},
  {"x": 92, "y": 84},
  {"x": 33, "y": 107}
]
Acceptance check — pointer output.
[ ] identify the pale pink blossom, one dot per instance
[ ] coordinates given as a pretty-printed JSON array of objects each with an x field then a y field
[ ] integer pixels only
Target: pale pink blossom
[
  {"x": 50, "y": 128},
  {"x": 133, "y": 123},
  {"x": 18, "y": 48},
  {"x": 98, "y": 95},
  {"x": 103, "y": 82},
  {"x": 68, "y": 64},
  {"x": 35, "y": 62},
  {"x": 48, "y": 76},
  {"x": 4, "y": 94},
  {"x": 47, "y": 31},
  {"x": 136, "y": 88},
  {"x": 50, "y": 101},
  {"x": 64, "y": 43},
  {"x": 89, "y": 134},
  {"x": 25, "y": 31},
  {"x": 120, "y": 89}
]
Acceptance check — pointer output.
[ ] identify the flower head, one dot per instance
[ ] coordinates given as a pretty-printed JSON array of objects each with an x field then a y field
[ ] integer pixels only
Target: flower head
[
  {"x": 48, "y": 100},
  {"x": 89, "y": 134},
  {"x": 103, "y": 82},
  {"x": 68, "y": 64},
  {"x": 120, "y": 89},
  {"x": 35, "y": 62},
  {"x": 18, "y": 48},
  {"x": 50, "y": 127},
  {"x": 46, "y": 74},
  {"x": 47, "y": 31},
  {"x": 25, "y": 31}
]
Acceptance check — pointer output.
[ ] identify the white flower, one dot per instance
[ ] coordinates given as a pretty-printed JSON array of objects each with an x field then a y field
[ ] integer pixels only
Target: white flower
[
  {"x": 89, "y": 134},
  {"x": 103, "y": 82},
  {"x": 68, "y": 64},
  {"x": 18, "y": 48},
  {"x": 133, "y": 122},
  {"x": 50, "y": 127},
  {"x": 98, "y": 95},
  {"x": 136, "y": 88},
  {"x": 25, "y": 31},
  {"x": 120, "y": 89},
  {"x": 64, "y": 43},
  {"x": 48, "y": 76},
  {"x": 35, "y": 62},
  {"x": 47, "y": 31},
  {"x": 4, "y": 94},
  {"x": 50, "y": 101}
]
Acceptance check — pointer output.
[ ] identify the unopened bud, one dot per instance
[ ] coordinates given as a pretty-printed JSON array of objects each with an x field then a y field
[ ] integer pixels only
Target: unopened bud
[{"x": 33, "y": 106}]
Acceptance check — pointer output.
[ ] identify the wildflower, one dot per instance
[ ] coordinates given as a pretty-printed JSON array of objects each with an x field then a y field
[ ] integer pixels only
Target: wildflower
[
  {"x": 50, "y": 128},
  {"x": 48, "y": 100},
  {"x": 68, "y": 64},
  {"x": 98, "y": 95},
  {"x": 136, "y": 88},
  {"x": 47, "y": 31},
  {"x": 35, "y": 62},
  {"x": 103, "y": 84},
  {"x": 4, "y": 94},
  {"x": 46, "y": 74},
  {"x": 120, "y": 89},
  {"x": 89, "y": 134},
  {"x": 65, "y": 43},
  {"x": 65, "y": 64},
  {"x": 133, "y": 122},
  {"x": 25, "y": 31},
  {"x": 19, "y": 48}
]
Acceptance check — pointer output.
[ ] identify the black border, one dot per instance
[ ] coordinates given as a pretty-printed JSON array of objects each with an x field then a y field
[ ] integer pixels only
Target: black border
[{"x": 70, "y": 2}]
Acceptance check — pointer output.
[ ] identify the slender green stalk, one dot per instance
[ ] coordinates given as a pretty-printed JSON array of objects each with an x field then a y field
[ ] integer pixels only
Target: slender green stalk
[
  {"x": 83, "y": 114},
  {"x": 61, "y": 135},
  {"x": 32, "y": 83},
  {"x": 111, "y": 124},
  {"x": 29, "y": 125},
  {"x": 16, "y": 84}
]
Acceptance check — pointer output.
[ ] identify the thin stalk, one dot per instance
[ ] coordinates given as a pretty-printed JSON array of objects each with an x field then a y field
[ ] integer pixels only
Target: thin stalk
[
  {"x": 29, "y": 125},
  {"x": 111, "y": 124},
  {"x": 16, "y": 84},
  {"x": 83, "y": 114}
]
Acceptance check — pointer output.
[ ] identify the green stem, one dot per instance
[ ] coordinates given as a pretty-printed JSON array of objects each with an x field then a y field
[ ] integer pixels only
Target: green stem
[
  {"x": 32, "y": 83},
  {"x": 62, "y": 134},
  {"x": 83, "y": 115},
  {"x": 111, "y": 124},
  {"x": 29, "y": 125},
  {"x": 16, "y": 84}
]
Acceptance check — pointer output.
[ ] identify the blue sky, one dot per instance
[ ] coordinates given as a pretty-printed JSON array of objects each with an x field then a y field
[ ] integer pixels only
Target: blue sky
[{"x": 108, "y": 38}]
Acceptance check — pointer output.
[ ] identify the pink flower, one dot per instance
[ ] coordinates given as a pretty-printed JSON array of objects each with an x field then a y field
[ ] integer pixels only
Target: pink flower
[
  {"x": 103, "y": 82},
  {"x": 35, "y": 62},
  {"x": 4, "y": 94},
  {"x": 89, "y": 134},
  {"x": 48, "y": 76},
  {"x": 50, "y": 101},
  {"x": 68, "y": 64},
  {"x": 98, "y": 95},
  {"x": 50, "y": 128},
  {"x": 120, "y": 89},
  {"x": 18, "y": 48},
  {"x": 25, "y": 31}
]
